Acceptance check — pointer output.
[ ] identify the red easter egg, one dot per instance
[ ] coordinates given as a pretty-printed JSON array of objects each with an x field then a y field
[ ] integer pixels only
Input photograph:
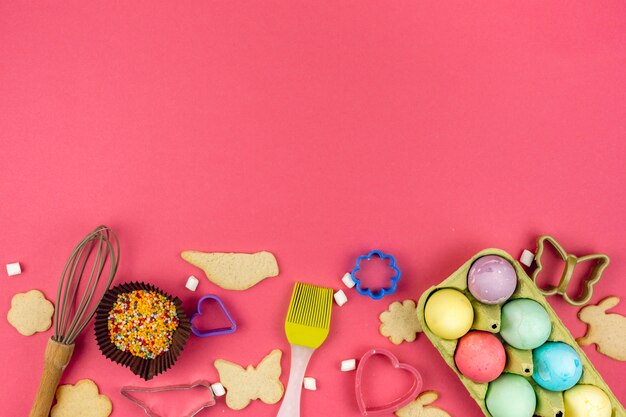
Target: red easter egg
[{"x": 480, "y": 356}]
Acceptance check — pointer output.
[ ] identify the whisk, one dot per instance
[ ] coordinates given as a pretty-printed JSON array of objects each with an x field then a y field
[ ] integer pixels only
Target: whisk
[{"x": 73, "y": 310}]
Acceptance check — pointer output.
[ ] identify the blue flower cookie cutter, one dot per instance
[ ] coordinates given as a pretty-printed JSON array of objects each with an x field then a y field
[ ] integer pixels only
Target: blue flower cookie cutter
[
  {"x": 380, "y": 293},
  {"x": 212, "y": 332}
]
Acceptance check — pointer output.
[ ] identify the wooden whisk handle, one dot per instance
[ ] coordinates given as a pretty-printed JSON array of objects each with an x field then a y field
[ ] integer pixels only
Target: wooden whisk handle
[{"x": 56, "y": 358}]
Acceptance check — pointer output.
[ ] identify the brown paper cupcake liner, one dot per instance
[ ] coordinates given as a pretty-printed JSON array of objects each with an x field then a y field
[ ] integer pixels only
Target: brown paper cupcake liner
[{"x": 145, "y": 368}]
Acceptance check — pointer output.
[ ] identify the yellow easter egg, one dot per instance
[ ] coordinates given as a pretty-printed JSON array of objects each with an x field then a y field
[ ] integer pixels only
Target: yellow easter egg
[
  {"x": 587, "y": 401},
  {"x": 448, "y": 314}
]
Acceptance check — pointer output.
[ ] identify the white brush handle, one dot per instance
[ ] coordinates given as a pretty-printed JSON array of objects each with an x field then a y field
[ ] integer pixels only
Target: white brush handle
[{"x": 300, "y": 356}]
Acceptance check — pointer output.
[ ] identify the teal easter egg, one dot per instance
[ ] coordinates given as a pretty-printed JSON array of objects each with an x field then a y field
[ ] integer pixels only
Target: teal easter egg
[
  {"x": 557, "y": 366},
  {"x": 525, "y": 324},
  {"x": 511, "y": 395}
]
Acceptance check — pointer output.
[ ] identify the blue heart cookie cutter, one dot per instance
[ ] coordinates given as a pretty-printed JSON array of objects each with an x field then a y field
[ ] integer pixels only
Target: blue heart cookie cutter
[
  {"x": 378, "y": 294},
  {"x": 212, "y": 332}
]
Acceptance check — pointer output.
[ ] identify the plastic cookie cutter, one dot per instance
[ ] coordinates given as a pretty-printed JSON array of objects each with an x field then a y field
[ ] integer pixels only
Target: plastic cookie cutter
[
  {"x": 409, "y": 396},
  {"x": 208, "y": 399},
  {"x": 380, "y": 293},
  {"x": 601, "y": 261},
  {"x": 212, "y": 332}
]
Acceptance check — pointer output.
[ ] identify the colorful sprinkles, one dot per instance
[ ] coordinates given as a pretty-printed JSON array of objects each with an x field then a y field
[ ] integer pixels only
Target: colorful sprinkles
[{"x": 142, "y": 323}]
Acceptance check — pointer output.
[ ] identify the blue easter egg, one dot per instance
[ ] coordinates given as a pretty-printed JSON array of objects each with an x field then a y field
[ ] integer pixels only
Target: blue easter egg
[{"x": 557, "y": 366}]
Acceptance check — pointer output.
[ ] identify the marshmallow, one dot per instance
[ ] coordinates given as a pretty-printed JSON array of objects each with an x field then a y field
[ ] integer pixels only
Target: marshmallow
[
  {"x": 347, "y": 280},
  {"x": 310, "y": 383},
  {"x": 218, "y": 389},
  {"x": 348, "y": 365},
  {"x": 14, "y": 269},
  {"x": 527, "y": 257},
  {"x": 340, "y": 298},
  {"x": 192, "y": 283}
]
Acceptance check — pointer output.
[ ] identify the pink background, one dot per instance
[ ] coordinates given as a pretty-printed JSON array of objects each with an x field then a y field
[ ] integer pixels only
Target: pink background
[{"x": 318, "y": 131}]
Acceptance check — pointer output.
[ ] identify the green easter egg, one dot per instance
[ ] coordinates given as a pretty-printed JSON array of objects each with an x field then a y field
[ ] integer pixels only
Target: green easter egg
[
  {"x": 525, "y": 324},
  {"x": 511, "y": 395}
]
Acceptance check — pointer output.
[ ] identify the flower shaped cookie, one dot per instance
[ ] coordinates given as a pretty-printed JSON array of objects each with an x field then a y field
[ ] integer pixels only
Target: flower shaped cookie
[
  {"x": 30, "y": 312},
  {"x": 399, "y": 323},
  {"x": 82, "y": 400}
]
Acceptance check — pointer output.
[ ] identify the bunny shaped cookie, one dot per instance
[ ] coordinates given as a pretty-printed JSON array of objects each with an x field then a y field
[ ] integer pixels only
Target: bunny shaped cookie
[
  {"x": 606, "y": 331},
  {"x": 420, "y": 407}
]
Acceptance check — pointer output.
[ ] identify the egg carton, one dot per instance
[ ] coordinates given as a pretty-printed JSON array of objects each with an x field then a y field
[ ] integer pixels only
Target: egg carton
[{"x": 487, "y": 318}]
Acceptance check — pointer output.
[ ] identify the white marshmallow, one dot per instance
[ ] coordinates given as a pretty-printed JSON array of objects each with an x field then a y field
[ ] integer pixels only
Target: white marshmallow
[
  {"x": 310, "y": 383},
  {"x": 347, "y": 280},
  {"x": 340, "y": 298},
  {"x": 14, "y": 269},
  {"x": 218, "y": 389},
  {"x": 527, "y": 257},
  {"x": 192, "y": 283},
  {"x": 348, "y": 365}
]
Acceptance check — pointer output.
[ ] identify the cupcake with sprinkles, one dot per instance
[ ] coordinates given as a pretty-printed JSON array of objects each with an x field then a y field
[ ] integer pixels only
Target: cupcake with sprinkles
[{"x": 141, "y": 327}]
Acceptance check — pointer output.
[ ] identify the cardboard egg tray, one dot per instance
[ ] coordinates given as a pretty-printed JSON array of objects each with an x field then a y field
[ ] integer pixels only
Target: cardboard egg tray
[{"x": 487, "y": 318}]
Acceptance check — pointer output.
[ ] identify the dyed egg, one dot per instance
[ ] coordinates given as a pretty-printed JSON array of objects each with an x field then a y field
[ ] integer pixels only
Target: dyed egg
[
  {"x": 480, "y": 356},
  {"x": 448, "y": 314},
  {"x": 510, "y": 395},
  {"x": 492, "y": 279},
  {"x": 587, "y": 401},
  {"x": 557, "y": 366},
  {"x": 525, "y": 324}
]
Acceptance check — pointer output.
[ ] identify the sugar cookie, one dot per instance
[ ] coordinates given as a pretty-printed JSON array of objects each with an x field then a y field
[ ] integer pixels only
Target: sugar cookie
[
  {"x": 244, "y": 385},
  {"x": 607, "y": 331},
  {"x": 400, "y": 323},
  {"x": 30, "y": 312},
  {"x": 420, "y": 407},
  {"x": 81, "y": 400},
  {"x": 234, "y": 271}
]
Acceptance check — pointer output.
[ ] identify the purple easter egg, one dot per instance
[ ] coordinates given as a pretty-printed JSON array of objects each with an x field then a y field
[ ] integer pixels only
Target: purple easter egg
[{"x": 492, "y": 279}]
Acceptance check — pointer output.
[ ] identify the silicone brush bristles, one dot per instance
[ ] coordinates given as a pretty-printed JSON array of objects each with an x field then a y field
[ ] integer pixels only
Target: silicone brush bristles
[{"x": 308, "y": 318}]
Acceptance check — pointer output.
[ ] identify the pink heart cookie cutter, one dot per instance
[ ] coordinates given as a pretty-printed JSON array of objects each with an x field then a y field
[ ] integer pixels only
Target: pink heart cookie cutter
[{"x": 396, "y": 404}]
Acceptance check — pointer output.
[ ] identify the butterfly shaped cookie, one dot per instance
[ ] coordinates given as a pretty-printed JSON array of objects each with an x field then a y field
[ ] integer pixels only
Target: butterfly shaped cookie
[{"x": 245, "y": 385}]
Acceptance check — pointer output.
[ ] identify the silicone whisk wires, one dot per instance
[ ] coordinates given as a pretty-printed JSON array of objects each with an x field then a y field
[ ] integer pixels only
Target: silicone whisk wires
[{"x": 72, "y": 314}]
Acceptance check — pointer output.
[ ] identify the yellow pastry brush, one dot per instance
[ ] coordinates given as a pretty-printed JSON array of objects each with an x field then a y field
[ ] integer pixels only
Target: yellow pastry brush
[{"x": 306, "y": 326}]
